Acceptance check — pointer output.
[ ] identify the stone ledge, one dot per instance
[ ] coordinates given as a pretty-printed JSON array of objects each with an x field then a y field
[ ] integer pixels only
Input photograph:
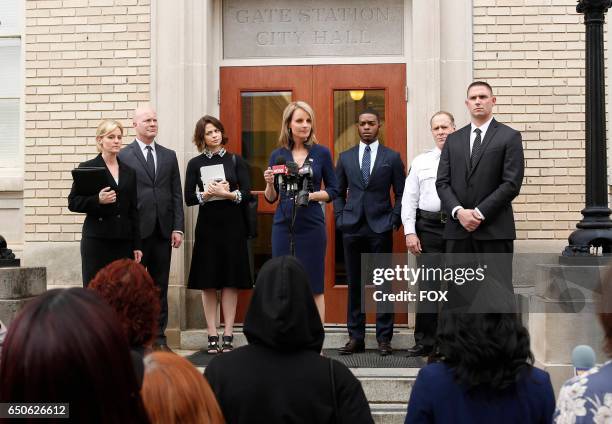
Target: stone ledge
[
  {"x": 18, "y": 283},
  {"x": 10, "y": 308},
  {"x": 11, "y": 180}
]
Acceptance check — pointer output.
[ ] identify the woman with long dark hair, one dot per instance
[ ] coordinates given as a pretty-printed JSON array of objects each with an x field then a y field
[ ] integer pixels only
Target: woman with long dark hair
[
  {"x": 67, "y": 346},
  {"x": 484, "y": 375}
]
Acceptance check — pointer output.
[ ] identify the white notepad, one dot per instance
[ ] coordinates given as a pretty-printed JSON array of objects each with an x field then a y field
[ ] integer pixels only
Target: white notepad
[{"x": 209, "y": 174}]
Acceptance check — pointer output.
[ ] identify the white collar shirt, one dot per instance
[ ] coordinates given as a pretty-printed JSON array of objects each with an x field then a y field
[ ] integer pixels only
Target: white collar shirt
[
  {"x": 420, "y": 188},
  {"x": 373, "y": 151},
  {"x": 483, "y": 128},
  {"x": 143, "y": 149}
]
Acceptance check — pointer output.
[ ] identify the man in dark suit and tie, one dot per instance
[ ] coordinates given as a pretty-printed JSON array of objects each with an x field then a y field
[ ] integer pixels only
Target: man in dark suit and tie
[
  {"x": 480, "y": 173},
  {"x": 160, "y": 205},
  {"x": 366, "y": 217}
]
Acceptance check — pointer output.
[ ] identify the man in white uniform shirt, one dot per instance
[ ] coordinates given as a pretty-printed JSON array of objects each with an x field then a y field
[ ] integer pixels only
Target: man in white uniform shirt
[{"x": 424, "y": 223}]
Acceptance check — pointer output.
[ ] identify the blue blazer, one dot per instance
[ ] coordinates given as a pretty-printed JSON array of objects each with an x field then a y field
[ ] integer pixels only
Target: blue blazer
[
  {"x": 437, "y": 398},
  {"x": 373, "y": 201}
]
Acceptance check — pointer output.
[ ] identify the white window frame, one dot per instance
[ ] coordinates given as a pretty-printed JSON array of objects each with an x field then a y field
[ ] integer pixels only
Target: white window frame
[{"x": 11, "y": 171}]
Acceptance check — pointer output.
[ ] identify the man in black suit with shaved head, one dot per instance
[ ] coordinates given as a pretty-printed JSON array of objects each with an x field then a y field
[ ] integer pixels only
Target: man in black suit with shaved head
[{"x": 480, "y": 172}]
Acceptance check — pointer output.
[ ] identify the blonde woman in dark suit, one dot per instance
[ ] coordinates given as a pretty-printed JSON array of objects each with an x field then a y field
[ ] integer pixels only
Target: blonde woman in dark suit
[{"x": 111, "y": 228}]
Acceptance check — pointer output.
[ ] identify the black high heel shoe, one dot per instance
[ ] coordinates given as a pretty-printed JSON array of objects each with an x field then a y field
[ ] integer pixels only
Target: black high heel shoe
[
  {"x": 213, "y": 345},
  {"x": 227, "y": 343}
]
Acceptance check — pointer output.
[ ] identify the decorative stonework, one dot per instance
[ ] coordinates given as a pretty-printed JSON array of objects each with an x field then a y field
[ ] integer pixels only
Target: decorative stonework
[{"x": 265, "y": 29}]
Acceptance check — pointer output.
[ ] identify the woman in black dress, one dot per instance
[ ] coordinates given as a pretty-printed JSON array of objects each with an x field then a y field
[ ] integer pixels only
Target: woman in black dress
[
  {"x": 111, "y": 228},
  {"x": 218, "y": 181}
]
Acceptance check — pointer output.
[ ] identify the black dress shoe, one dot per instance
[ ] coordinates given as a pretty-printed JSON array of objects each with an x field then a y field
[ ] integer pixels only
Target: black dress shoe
[
  {"x": 419, "y": 350},
  {"x": 353, "y": 346},
  {"x": 384, "y": 348}
]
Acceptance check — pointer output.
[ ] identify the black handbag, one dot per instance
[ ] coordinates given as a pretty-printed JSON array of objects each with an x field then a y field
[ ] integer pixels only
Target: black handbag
[{"x": 249, "y": 209}]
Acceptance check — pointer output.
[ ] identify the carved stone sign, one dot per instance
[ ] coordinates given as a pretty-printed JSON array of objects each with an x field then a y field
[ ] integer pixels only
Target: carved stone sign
[{"x": 299, "y": 28}]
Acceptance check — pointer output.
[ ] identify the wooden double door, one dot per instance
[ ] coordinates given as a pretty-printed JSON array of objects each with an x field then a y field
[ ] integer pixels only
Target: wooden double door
[{"x": 252, "y": 100}]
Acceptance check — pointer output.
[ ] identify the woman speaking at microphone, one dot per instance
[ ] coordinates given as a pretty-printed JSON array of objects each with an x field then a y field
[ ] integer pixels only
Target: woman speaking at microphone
[
  {"x": 111, "y": 228},
  {"x": 298, "y": 144}
]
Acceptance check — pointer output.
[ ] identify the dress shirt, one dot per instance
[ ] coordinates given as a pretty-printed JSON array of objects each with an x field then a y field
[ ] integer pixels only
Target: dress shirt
[
  {"x": 143, "y": 149},
  {"x": 373, "y": 150},
  {"x": 420, "y": 189},
  {"x": 483, "y": 130}
]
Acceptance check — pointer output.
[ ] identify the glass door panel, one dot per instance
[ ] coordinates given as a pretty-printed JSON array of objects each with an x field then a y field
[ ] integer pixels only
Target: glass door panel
[{"x": 261, "y": 114}]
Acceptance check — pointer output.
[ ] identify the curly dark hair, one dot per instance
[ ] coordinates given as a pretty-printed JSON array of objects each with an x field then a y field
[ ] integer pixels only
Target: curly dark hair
[
  {"x": 129, "y": 289},
  {"x": 485, "y": 350}
]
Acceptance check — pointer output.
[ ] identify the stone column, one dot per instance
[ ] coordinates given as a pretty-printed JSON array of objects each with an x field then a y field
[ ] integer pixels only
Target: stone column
[{"x": 17, "y": 286}]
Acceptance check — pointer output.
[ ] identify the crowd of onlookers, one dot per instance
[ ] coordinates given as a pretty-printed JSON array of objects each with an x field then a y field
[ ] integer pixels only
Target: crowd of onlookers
[{"x": 90, "y": 348}]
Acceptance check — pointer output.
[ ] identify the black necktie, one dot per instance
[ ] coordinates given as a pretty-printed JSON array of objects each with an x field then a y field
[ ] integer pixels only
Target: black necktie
[
  {"x": 150, "y": 161},
  {"x": 365, "y": 165},
  {"x": 476, "y": 148}
]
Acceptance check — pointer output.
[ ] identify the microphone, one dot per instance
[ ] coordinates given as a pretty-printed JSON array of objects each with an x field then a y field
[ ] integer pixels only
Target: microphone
[
  {"x": 583, "y": 359},
  {"x": 279, "y": 169},
  {"x": 306, "y": 174},
  {"x": 292, "y": 172}
]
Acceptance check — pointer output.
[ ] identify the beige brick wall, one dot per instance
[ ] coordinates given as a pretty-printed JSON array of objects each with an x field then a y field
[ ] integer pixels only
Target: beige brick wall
[
  {"x": 90, "y": 59},
  {"x": 532, "y": 53},
  {"x": 85, "y": 60}
]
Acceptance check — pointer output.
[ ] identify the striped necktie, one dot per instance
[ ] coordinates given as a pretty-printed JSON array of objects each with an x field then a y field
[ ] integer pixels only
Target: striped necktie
[{"x": 476, "y": 148}]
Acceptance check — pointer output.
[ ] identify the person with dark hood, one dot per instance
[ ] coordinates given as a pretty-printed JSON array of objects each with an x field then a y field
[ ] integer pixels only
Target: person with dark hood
[{"x": 280, "y": 376}]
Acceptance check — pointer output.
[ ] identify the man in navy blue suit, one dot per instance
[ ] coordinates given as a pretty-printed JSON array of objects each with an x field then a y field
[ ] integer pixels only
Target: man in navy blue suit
[{"x": 366, "y": 217}]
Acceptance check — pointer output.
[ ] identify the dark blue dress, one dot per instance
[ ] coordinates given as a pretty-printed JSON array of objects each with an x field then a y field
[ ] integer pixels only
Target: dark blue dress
[{"x": 309, "y": 229}]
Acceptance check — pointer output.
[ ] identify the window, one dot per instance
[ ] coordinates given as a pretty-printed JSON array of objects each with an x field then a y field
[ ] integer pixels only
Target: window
[{"x": 11, "y": 81}]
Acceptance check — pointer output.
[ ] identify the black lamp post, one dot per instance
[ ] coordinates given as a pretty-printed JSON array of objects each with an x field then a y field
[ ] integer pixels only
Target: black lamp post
[{"x": 595, "y": 228}]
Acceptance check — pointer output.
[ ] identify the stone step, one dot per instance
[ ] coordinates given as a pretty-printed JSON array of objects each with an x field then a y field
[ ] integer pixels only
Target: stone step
[
  {"x": 390, "y": 413},
  {"x": 386, "y": 385},
  {"x": 335, "y": 337}
]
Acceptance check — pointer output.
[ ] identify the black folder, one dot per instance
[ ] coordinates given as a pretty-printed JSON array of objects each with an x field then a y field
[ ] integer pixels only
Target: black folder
[{"x": 89, "y": 181}]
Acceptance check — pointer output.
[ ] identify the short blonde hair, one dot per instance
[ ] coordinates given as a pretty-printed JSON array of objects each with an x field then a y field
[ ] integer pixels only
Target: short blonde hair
[
  {"x": 104, "y": 127},
  {"x": 284, "y": 139}
]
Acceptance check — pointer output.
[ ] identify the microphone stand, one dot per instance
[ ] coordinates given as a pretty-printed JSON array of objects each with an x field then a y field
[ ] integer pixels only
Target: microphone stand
[{"x": 292, "y": 226}]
